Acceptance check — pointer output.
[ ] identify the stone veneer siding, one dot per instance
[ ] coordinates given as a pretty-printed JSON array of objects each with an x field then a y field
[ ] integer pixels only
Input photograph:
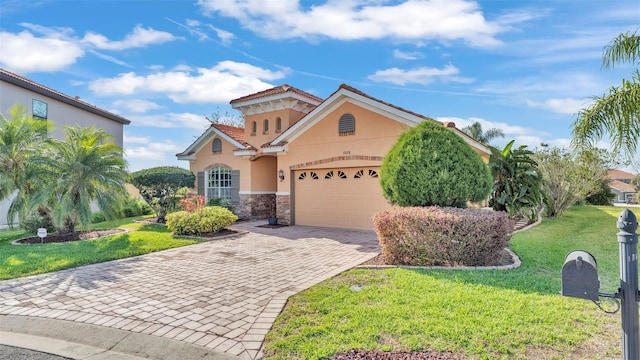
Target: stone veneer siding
[
  {"x": 256, "y": 206},
  {"x": 283, "y": 209}
]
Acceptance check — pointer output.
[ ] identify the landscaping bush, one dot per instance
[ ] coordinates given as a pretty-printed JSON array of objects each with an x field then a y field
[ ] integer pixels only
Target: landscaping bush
[
  {"x": 36, "y": 221},
  {"x": 225, "y": 203},
  {"x": 209, "y": 219},
  {"x": 432, "y": 236},
  {"x": 135, "y": 207},
  {"x": 432, "y": 166},
  {"x": 97, "y": 217}
]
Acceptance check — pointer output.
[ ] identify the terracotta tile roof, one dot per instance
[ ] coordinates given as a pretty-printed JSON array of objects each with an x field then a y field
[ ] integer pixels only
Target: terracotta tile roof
[
  {"x": 354, "y": 90},
  {"x": 619, "y": 175},
  {"x": 25, "y": 83},
  {"x": 236, "y": 133},
  {"x": 621, "y": 186},
  {"x": 274, "y": 91}
]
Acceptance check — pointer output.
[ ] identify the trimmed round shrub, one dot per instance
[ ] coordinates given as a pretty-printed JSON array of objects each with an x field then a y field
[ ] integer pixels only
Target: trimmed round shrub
[
  {"x": 432, "y": 236},
  {"x": 432, "y": 166},
  {"x": 210, "y": 219}
]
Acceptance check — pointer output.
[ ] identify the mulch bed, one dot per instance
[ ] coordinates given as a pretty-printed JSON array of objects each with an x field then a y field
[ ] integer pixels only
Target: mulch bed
[
  {"x": 505, "y": 259},
  {"x": 223, "y": 232},
  {"x": 356, "y": 354},
  {"x": 74, "y": 236},
  {"x": 271, "y": 226}
]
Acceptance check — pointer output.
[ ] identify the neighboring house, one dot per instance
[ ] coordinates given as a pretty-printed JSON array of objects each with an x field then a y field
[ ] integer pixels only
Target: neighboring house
[
  {"x": 306, "y": 160},
  {"x": 620, "y": 184},
  {"x": 59, "y": 109}
]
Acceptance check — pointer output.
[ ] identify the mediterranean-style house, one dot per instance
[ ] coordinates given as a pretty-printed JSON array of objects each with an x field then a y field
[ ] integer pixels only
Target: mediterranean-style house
[
  {"x": 61, "y": 110},
  {"x": 620, "y": 184},
  {"x": 303, "y": 159}
]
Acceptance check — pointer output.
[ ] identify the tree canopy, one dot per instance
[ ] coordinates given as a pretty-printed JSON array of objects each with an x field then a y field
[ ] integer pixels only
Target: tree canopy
[
  {"x": 432, "y": 166},
  {"x": 159, "y": 185},
  {"x": 475, "y": 131}
]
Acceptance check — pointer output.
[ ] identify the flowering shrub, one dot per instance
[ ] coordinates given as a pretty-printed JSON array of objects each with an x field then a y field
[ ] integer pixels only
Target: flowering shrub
[
  {"x": 209, "y": 219},
  {"x": 193, "y": 203},
  {"x": 429, "y": 236}
]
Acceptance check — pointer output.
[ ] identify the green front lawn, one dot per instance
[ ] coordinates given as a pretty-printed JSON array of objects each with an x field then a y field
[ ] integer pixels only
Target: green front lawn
[
  {"x": 23, "y": 260},
  {"x": 512, "y": 314}
]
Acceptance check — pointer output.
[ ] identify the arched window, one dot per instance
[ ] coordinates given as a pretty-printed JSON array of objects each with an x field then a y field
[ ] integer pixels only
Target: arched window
[
  {"x": 265, "y": 127},
  {"x": 254, "y": 128},
  {"x": 278, "y": 125},
  {"x": 216, "y": 146},
  {"x": 219, "y": 183},
  {"x": 347, "y": 125}
]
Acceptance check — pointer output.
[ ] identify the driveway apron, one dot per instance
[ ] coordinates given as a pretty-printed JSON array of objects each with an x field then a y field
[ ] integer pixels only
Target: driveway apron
[{"x": 222, "y": 295}]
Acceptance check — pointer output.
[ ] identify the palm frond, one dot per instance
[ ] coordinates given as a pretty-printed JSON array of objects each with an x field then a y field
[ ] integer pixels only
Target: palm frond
[
  {"x": 625, "y": 48},
  {"x": 617, "y": 113}
]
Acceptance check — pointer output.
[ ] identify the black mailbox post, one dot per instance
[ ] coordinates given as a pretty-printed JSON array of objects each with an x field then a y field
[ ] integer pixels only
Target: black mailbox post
[{"x": 580, "y": 276}]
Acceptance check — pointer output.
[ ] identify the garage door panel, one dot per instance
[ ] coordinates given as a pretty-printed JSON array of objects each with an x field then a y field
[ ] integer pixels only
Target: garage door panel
[{"x": 348, "y": 202}]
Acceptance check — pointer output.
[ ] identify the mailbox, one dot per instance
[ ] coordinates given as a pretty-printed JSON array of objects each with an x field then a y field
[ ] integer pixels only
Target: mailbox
[{"x": 580, "y": 276}]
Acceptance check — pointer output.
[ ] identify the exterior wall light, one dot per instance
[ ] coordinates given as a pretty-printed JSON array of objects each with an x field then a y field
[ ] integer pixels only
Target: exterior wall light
[{"x": 281, "y": 175}]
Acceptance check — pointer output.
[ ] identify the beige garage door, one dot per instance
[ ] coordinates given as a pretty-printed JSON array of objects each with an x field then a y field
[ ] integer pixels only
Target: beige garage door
[{"x": 341, "y": 197}]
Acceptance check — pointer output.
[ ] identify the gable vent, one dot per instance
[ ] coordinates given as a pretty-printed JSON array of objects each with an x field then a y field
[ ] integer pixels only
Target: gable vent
[{"x": 347, "y": 125}]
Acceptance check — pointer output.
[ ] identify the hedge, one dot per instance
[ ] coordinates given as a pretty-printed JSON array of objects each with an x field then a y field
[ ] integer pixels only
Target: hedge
[
  {"x": 434, "y": 236},
  {"x": 209, "y": 219}
]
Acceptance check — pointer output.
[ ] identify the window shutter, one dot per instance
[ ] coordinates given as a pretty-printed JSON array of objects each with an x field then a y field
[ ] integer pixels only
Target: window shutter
[
  {"x": 201, "y": 183},
  {"x": 347, "y": 124},
  {"x": 235, "y": 187}
]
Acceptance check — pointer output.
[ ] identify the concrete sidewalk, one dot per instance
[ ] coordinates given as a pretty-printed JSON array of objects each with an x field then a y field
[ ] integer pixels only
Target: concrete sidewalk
[{"x": 220, "y": 297}]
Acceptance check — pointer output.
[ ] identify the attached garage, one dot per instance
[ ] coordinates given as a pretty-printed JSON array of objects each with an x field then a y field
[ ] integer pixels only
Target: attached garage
[{"x": 338, "y": 197}]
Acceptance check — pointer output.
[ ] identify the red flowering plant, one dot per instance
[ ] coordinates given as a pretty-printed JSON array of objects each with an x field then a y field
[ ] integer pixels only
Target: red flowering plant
[{"x": 193, "y": 203}]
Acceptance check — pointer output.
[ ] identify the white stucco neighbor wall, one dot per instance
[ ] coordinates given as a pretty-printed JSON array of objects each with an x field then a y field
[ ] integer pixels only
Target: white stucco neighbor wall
[{"x": 60, "y": 114}]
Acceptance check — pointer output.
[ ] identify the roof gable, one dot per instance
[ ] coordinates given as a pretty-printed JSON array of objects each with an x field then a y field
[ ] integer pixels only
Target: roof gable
[
  {"x": 622, "y": 186},
  {"x": 233, "y": 135},
  {"x": 27, "y": 84},
  {"x": 346, "y": 93},
  {"x": 275, "y": 92}
]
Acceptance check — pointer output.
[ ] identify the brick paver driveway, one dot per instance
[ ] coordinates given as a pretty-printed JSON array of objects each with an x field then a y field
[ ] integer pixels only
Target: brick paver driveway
[{"x": 222, "y": 294}]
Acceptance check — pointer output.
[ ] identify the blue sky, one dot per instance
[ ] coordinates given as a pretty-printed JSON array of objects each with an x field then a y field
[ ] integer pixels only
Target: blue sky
[{"x": 526, "y": 67}]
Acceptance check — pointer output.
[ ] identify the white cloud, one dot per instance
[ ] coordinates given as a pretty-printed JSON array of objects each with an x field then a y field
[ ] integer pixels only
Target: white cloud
[
  {"x": 139, "y": 37},
  {"x": 522, "y": 135},
  {"x": 551, "y": 85},
  {"x": 569, "y": 106},
  {"x": 136, "y": 105},
  {"x": 414, "y": 55},
  {"x": 171, "y": 120},
  {"x": 127, "y": 139},
  {"x": 57, "y": 47},
  {"x": 195, "y": 28},
  {"x": 219, "y": 84},
  {"x": 418, "y": 20},
  {"x": 154, "y": 151},
  {"x": 23, "y": 53},
  {"x": 421, "y": 75},
  {"x": 486, "y": 124},
  {"x": 225, "y": 36}
]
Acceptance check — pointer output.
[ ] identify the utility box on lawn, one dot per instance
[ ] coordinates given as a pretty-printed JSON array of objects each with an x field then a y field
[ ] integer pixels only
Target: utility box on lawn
[{"x": 580, "y": 276}]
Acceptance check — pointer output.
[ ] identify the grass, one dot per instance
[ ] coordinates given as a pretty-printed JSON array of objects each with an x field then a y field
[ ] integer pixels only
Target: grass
[
  {"x": 24, "y": 260},
  {"x": 514, "y": 314}
]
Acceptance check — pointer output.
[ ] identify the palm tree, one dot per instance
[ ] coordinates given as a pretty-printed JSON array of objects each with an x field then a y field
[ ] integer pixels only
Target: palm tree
[
  {"x": 87, "y": 167},
  {"x": 617, "y": 112},
  {"x": 21, "y": 138},
  {"x": 475, "y": 131}
]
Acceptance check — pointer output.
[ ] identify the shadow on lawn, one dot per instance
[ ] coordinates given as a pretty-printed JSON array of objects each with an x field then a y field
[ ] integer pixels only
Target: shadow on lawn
[
  {"x": 160, "y": 228},
  {"x": 85, "y": 276}
]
